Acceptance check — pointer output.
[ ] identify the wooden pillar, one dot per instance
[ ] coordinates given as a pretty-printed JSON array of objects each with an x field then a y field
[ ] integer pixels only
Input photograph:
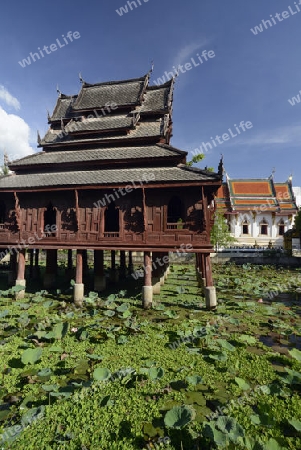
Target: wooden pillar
[
  {"x": 21, "y": 265},
  {"x": 51, "y": 269},
  {"x": 122, "y": 265},
  {"x": 208, "y": 270},
  {"x": 78, "y": 294},
  {"x": 114, "y": 274},
  {"x": 160, "y": 264},
  {"x": 20, "y": 281},
  {"x": 203, "y": 269},
  {"x": 99, "y": 275},
  {"x": 85, "y": 262},
  {"x": 113, "y": 259},
  {"x": 69, "y": 268},
  {"x": 198, "y": 262},
  {"x": 198, "y": 269},
  {"x": 70, "y": 265},
  {"x": 166, "y": 264},
  {"x": 210, "y": 292},
  {"x": 12, "y": 274},
  {"x": 31, "y": 263},
  {"x": 36, "y": 269},
  {"x": 131, "y": 265},
  {"x": 147, "y": 290}
]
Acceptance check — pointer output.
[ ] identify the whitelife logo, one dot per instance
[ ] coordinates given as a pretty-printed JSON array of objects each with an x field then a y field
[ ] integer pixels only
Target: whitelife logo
[
  {"x": 206, "y": 146},
  {"x": 295, "y": 100},
  {"x": 124, "y": 9},
  {"x": 53, "y": 48},
  {"x": 280, "y": 17},
  {"x": 182, "y": 68}
]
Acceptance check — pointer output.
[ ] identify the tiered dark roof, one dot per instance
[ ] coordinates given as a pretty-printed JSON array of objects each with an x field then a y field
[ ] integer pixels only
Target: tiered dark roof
[{"x": 110, "y": 133}]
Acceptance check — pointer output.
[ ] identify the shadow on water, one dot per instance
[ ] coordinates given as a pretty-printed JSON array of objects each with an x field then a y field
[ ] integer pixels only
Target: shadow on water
[{"x": 281, "y": 344}]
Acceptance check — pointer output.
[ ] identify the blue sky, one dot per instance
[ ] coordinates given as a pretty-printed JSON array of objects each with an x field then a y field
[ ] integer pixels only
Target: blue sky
[{"x": 250, "y": 78}]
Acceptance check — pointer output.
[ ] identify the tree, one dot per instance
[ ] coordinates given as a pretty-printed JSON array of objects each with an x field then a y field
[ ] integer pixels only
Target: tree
[
  {"x": 220, "y": 234},
  {"x": 297, "y": 224},
  {"x": 4, "y": 170},
  {"x": 197, "y": 158}
]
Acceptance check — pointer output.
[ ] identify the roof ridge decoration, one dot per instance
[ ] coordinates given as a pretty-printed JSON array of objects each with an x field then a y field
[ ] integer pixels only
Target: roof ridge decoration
[
  {"x": 135, "y": 118},
  {"x": 109, "y": 83},
  {"x": 229, "y": 192},
  {"x": 274, "y": 189},
  {"x": 39, "y": 138},
  {"x": 81, "y": 78}
]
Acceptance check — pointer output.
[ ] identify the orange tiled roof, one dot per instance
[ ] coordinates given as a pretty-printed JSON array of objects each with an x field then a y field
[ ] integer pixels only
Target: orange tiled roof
[{"x": 245, "y": 195}]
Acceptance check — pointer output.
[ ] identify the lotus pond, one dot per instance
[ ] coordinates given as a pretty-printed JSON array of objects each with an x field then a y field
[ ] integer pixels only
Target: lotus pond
[{"x": 112, "y": 376}]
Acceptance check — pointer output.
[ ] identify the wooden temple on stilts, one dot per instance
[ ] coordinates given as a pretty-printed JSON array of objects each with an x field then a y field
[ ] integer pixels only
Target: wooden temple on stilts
[{"x": 107, "y": 178}]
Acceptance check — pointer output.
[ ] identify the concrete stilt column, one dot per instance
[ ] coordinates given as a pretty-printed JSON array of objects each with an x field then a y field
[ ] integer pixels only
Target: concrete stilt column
[
  {"x": 51, "y": 269},
  {"x": 156, "y": 275},
  {"x": 36, "y": 268},
  {"x": 12, "y": 274},
  {"x": 131, "y": 265},
  {"x": 78, "y": 294},
  {"x": 114, "y": 274},
  {"x": 122, "y": 265},
  {"x": 210, "y": 296},
  {"x": 99, "y": 276},
  {"x": 147, "y": 289},
  {"x": 20, "y": 281}
]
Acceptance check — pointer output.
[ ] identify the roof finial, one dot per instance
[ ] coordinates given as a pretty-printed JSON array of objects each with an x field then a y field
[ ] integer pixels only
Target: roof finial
[
  {"x": 48, "y": 115},
  {"x": 39, "y": 137},
  {"x": 273, "y": 173},
  {"x": 221, "y": 166},
  {"x": 290, "y": 178},
  {"x": 152, "y": 67},
  {"x": 81, "y": 78},
  {"x": 57, "y": 90}
]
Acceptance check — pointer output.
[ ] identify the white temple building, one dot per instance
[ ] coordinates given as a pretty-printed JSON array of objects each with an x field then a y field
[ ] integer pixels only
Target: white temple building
[{"x": 258, "y": 211}]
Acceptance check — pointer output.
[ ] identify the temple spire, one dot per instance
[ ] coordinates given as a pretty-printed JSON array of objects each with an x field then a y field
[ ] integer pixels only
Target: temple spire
[{"x": 221, "y": 166}]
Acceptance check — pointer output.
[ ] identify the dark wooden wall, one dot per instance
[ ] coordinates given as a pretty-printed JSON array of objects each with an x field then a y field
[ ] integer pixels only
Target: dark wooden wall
[{"x": 81, "y": 218}]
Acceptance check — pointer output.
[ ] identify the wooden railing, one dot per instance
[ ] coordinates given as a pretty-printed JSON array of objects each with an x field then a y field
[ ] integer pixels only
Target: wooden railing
[
  {"x": 176, "y": 226},
  {"x": 111, "y": 234}
]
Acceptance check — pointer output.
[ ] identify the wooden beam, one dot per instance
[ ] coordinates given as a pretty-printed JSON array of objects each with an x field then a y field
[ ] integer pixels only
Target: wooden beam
[{"x": 21, "y": 265}]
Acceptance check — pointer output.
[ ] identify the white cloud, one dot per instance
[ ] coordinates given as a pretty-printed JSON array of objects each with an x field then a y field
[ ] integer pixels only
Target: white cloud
[
  {"x": 184, "y": 53},
  {"x": 289, "y": 135},
  {"x": 8, "y": 98},
  {"x": 14, "y": 136}
]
